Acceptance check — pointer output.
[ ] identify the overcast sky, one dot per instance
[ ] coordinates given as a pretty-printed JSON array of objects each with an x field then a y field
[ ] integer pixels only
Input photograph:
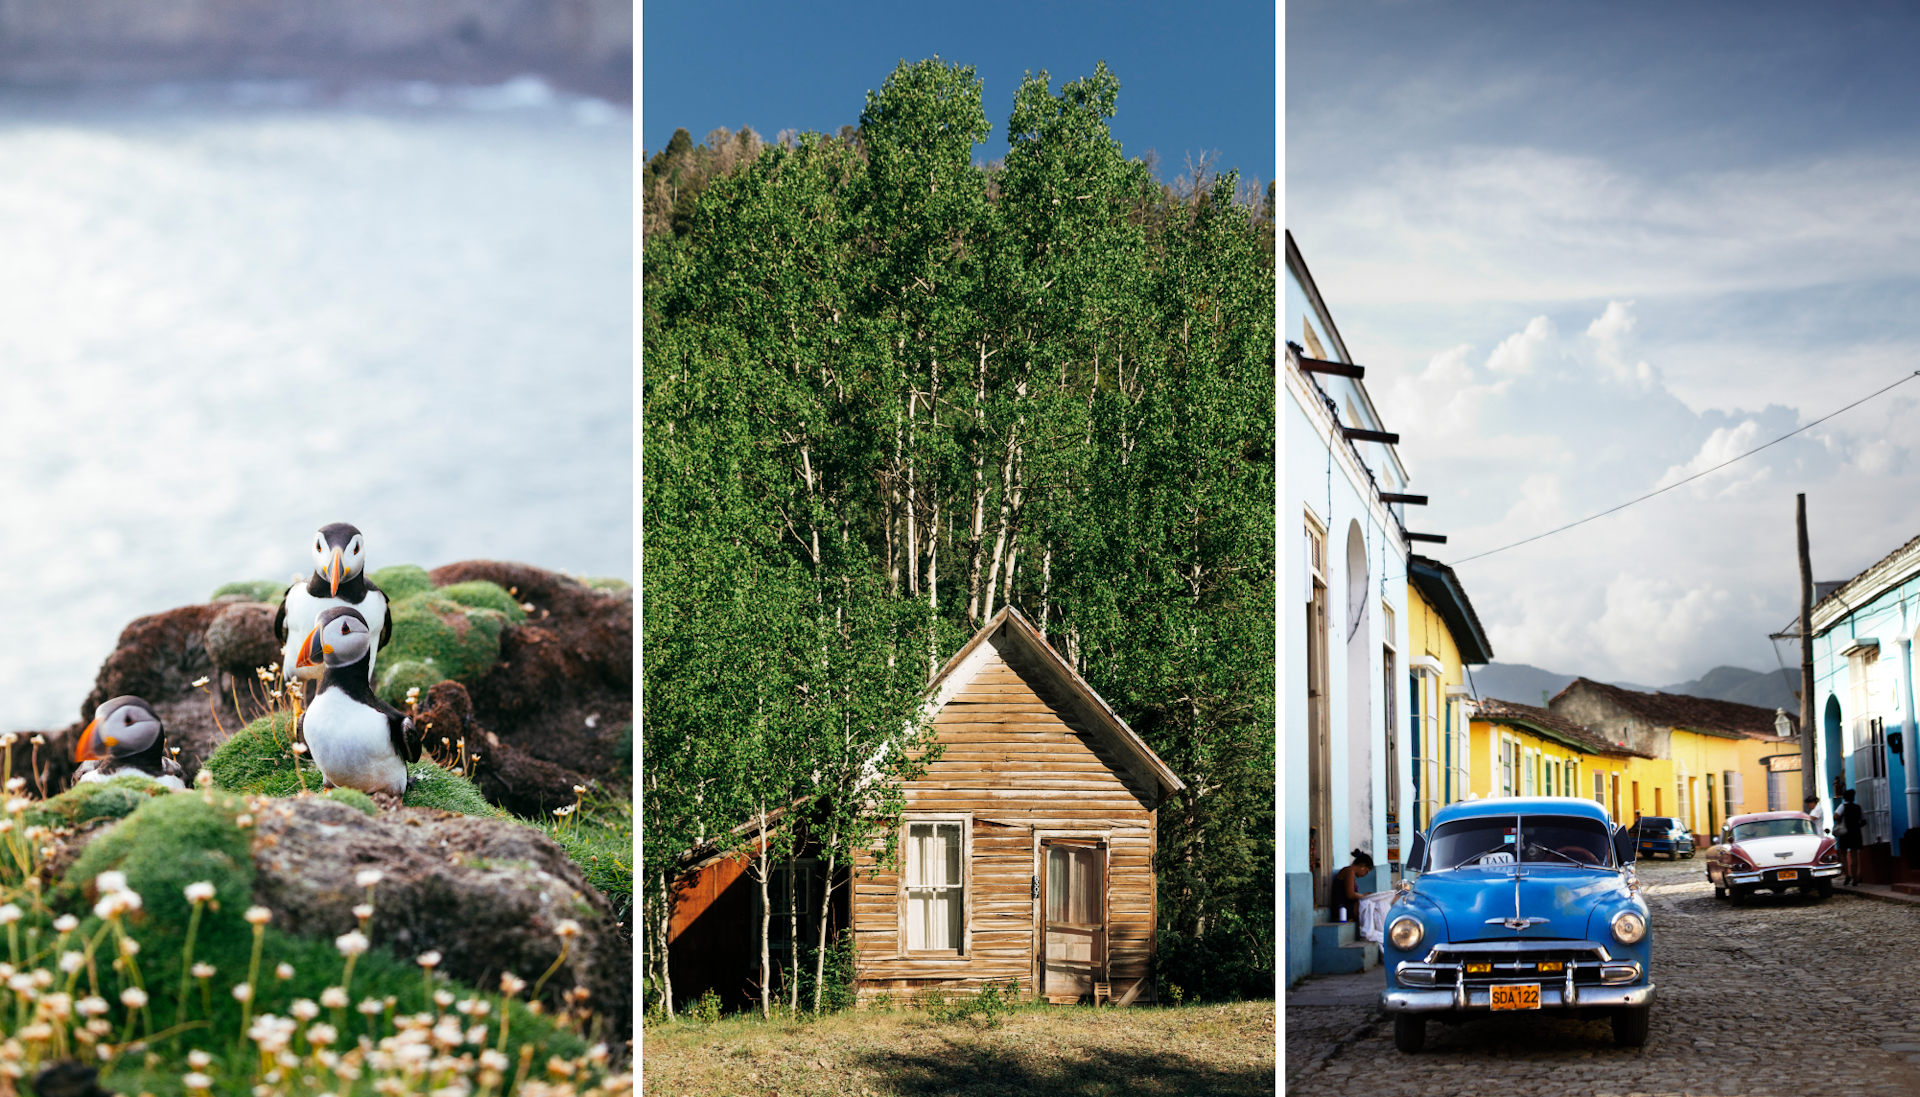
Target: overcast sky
[
  {"x": 1194, "y": 78},
  {"x": 1588, "y": 251}
]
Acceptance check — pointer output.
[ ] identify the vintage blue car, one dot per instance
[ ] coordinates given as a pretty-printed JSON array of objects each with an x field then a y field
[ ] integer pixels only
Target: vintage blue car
[{"x": 1520, "y": 903}]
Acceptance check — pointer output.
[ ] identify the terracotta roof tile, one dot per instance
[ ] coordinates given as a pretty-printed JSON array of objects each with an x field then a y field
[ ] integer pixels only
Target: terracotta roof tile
[
  {"x": 1501, "y": 712},
  {"x": 1730, "y": 718}
]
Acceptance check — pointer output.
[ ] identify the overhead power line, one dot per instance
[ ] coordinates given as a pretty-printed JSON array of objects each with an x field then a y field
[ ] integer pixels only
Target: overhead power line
[{"x": 1695, "y": 476}]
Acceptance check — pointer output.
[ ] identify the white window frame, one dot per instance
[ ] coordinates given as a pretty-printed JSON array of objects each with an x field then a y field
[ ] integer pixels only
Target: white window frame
[{"x": 965, "y": 822}]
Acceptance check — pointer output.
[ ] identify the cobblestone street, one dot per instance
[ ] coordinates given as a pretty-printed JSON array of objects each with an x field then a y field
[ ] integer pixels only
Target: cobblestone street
[{"x": 1779, "y": 998}]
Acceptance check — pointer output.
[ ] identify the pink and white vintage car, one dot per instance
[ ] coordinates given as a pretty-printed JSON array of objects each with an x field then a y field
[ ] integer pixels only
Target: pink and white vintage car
[{"x": 1775, "y": 851}]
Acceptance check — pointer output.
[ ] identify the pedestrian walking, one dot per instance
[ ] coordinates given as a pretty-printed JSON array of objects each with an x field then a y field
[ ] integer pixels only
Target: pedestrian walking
[{"x": 1849, "y": 832}]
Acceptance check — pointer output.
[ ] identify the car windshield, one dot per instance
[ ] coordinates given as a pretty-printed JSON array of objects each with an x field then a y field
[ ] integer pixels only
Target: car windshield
[
  {"x": 1772, "y": 828},
  {"x": 1657, "y": 822},
  {"x": 1503, "y": 839}
]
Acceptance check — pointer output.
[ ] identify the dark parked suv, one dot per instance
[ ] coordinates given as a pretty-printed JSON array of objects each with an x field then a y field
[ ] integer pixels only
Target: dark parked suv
[{"x": 1660, "y": 834}]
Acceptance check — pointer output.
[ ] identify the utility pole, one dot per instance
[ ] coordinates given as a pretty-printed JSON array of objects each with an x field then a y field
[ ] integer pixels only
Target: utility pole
[{"x": 1809, "y": 778}]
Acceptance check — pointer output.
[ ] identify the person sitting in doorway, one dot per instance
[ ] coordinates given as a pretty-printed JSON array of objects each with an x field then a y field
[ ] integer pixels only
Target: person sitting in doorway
[
  {"x": 1849, "y": 825},
  {"x": 1346, "y": 888}
]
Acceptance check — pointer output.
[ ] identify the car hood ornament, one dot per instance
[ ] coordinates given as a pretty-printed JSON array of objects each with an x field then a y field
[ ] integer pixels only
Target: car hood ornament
[{"x": 1517, "y": 923}]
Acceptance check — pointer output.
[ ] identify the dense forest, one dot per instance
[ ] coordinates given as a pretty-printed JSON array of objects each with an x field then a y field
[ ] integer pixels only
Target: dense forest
[{"x": 888, "y": 390}]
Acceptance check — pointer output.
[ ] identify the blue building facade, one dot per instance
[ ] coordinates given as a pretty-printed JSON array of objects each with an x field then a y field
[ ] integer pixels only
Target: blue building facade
[{"x": 1864, "y": 631}]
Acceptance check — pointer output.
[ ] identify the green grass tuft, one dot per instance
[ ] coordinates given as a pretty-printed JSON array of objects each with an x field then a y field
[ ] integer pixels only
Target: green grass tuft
[
  {"x": 115, "y": 798},
  {"x": 399, "y": 581},
  {"x": 258, "y": 590},
  {"x": 435, "y": 787},
  {"x": 485, "y": 594},
  {"x": 607, "y": 582},
  {"x": 353, "y": 798}
]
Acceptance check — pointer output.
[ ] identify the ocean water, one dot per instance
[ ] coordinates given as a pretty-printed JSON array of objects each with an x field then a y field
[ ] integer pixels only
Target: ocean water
[{"x": 232, "y": 313}]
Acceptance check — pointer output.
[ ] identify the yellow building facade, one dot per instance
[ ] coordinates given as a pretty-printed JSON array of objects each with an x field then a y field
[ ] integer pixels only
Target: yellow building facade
[{"x": 1443, "y": 637}]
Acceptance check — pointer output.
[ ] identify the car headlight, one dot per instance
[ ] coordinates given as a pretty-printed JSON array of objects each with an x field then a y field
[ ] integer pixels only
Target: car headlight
[
  {"x": 1405, "y": 933},
  {"x": 1629, "y": 927}
]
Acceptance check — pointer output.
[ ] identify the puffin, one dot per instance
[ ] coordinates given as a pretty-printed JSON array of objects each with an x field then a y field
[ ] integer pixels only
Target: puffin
[
  {"x": 126, "y": 737},
  {"x": 357, "y": 740},
  {"x": 339, "y": 579}
]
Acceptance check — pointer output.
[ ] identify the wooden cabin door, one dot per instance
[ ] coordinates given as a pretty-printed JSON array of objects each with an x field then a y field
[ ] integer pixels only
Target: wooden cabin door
[{"x": 1073, "y": 927}]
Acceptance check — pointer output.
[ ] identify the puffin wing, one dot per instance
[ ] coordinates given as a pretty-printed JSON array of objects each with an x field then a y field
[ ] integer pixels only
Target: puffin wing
[
  {"x": 280, "y": 618},
  {"x": 400, "y": 732}
]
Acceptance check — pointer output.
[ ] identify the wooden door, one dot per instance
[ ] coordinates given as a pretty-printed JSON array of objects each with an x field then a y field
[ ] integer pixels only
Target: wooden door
[{"x": 1073, "y": 915}]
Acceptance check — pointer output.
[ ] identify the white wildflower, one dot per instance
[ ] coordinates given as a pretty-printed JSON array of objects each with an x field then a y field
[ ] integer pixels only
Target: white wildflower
[
  {"x": 204, "y": 971},
  {"x": 243, "y": 993},
  {"x": 259, "y": 916},
  {"x": 334, "y": 998},
  {"x": 92, "y": 1007},
  {"x": 71, "y": 962},
  {"x": 66, "y": 923},
  {"x": 133, "y": 997},
  {"x": 199, "y": 1060},
  {"x": 367, "y": 877},
  {"x": 429, "y": 960},
  {"x": 304, "y": 1009},
  {"x": 351, "y": 944},
  {"x": 363, "y": 911},
  {"x": 283, "y": 971},
  {"x": 9, "y": 913},
  {"x": 110, "y": 881},
  {"x": 200, "y": 892}
]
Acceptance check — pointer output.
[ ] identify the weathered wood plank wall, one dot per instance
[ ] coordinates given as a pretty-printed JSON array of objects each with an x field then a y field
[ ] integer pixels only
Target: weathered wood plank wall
[{"x": 1017, "y": 761}]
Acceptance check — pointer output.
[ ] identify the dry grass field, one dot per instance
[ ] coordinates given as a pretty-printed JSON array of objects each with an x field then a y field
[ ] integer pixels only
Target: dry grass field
[{"x": 1057, "y": 1051}]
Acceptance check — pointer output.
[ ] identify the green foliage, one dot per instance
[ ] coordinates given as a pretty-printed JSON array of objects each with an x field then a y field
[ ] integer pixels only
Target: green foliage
[
  {"x": 114, "y": 798},
  {"x": 989, "y": 1005},
  {"x": 397, "y": 677},
  {"x": 453, "y": 640},
  {"x": 608, "y": 582},
  {"x": 399, "y": 581},
  {"x": 485, "y": 594},
  {"x": 1232, "y": 962},
  {"x": 256, "y": 590},
  {"x": 707, "y": 1009}
]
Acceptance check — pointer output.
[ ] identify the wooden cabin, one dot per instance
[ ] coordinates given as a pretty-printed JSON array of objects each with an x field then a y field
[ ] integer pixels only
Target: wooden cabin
[{"x": 1026, "y": 850}]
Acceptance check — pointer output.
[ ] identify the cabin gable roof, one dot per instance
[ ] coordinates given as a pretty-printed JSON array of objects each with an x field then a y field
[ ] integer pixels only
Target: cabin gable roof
[{"x": 1010, "y": 632}]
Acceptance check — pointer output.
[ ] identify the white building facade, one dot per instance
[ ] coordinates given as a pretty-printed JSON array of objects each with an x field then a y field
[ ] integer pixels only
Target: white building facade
[{"x": 1344, "y": 708}]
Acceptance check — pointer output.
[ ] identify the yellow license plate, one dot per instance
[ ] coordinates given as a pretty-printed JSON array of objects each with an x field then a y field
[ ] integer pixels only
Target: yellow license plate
[
  {"x": 1517, "y": 997},
  {"x": 1789, "y": 874}
]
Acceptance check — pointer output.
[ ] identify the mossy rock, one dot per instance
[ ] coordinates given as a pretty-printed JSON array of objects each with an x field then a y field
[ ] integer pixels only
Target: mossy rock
[
  {"x": 607, "y": 582},
  {"x": 166, "y": 844},
  {"x": 255, "y": 590},
  {"x": 399, "y": 581},
  {"x": 258, "y": 760},
  {"x": 485, "y": 594},
  {"x": 452, "y": 640},
  {"x": 115, "y": 798},
  {"x": 397, "y": 677}
]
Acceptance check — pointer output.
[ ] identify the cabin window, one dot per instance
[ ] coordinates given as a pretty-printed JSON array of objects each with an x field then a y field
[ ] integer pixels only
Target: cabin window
[{"x": 934, "y": 887}]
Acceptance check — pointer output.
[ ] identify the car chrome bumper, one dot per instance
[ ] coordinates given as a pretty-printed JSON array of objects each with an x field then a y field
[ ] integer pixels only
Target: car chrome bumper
[
  {"x": 1441, "y": 1000},
  {"x": 1815, "y": 872}
]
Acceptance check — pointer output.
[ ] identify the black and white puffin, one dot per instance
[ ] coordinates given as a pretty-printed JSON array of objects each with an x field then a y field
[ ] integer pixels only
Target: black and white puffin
[
  {"x": 339, "y": 579},
  {"x": 357, "y": 740},
  {"x": 126, "y": 737}
]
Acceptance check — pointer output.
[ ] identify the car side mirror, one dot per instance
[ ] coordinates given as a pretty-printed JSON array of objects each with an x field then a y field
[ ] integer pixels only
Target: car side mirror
[
  {"x": 1624, "y": 845},
  {"x": 1417, "y": 853}
]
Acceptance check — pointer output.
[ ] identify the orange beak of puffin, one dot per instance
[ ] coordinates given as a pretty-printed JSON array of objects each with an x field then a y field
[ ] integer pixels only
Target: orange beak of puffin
[
  {"x": 333, "y": 575},
  {"x": 87, "y": 750},
  {"x": 310, "y": 653}
]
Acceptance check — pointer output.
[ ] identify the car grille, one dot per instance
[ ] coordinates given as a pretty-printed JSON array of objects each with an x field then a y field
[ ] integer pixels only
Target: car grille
[{"x": 1548, "y": 964}]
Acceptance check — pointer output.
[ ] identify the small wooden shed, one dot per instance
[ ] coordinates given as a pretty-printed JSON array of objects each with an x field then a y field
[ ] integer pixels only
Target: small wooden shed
[{"x": 1026, "y": 850}]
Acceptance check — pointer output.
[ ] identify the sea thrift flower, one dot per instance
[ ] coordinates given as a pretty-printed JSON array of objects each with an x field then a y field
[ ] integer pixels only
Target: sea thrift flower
[
  {"x": 66, "y": 923},
  {"x": 9, "y": 913},
  {"x": 367, "y": 877},
  {"x": 71, "y": 962},
  {"x": 133, "y": 997},
  {"x": 243, "y": 993},
  {"x": 204, "y": 971},
  {"x": 197, "y": 1081},
  {"x": 259, "y": 916},
  {"x": 351, "y": 944},
  {"x": 129, "y": 947},
  {"x": 200, "y": 892},
  {"x": 111, "y": 881},
  {"x": 566, "y": 927},
  {"x": 283, "y": 971},
  {"x": 363, "y": 911},
  {"x": 511, "y": 983},
  {"x": 199, "y": 1060},
  {"x": 429, "y": 960},
  {"x": 334, "y": 998}
]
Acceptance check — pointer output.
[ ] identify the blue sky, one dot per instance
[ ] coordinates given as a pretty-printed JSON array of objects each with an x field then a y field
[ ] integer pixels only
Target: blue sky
[
  {"x": 1194, "y": 78},
  {"x": 1587, "y": 250}
]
